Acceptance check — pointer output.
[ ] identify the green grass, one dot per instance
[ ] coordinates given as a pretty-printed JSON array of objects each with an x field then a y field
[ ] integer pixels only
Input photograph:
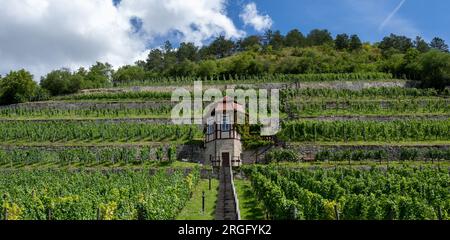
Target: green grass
[
  {"x": 250, "y": 207},
  {"x": 193, "y": 209}
]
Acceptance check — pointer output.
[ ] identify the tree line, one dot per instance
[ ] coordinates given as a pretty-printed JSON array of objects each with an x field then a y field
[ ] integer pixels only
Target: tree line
[{"x": 256, "y": 55}]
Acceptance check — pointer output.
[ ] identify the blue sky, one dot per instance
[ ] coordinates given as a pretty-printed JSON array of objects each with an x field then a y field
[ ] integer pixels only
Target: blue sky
[
  {"x": 426, "y": 18},
  {"x": 44, "y": 35}
]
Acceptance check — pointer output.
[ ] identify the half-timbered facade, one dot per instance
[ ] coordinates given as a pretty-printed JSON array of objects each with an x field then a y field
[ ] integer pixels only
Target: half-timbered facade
[{"x": 222, "y": 140}]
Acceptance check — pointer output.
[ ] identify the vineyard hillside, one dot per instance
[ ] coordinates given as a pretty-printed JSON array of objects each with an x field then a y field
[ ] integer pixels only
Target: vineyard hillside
[{"x": 351, "y": 147}]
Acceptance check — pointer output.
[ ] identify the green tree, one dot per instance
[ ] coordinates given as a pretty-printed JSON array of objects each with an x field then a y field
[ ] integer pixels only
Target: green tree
[
  {"x": 319, "y": 37},
  {"x": 168, "y": 48},
  {"x": 276, "y": 40},
  {"x": 295, "y": 39},
  {"x": 128, "y": 74},
  {"x": 421, "y": 45},
  {"x": 99, "y": 76},
  {"x": 355, "y": 43},
  {"x": 439, "y": 44},
  {"x": 395, "y": 44},
  {"x": 246, "y": 64},
  {"x": 155, "y": 61},
  {"x": 169, "y": 59},
  {"x": 221, "y": 47},
  {"x": 40, "y": 94},
  {"x": 82, "y": 72},
  {"x": 207, "y": 68},
  {"x": 187, "y": 51},
  {"x": 435, "y": 69},
  {"x": 250, "y": 43},
  {"x": 412, "y": 67},
  {"x": 394, "y": 64},
  {"x": 185, "y": 68},
  {"x": 61, "y": 82},
  {"x": 342, "y": 41},
  {"x": 17, "y": 87}
]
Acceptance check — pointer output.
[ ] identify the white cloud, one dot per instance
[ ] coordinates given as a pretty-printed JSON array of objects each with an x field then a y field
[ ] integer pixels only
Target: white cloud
[
  {"x": 42, "y": 35},
  {"x": 251, "y": 17},
  {"x": 194, "y": 20}
]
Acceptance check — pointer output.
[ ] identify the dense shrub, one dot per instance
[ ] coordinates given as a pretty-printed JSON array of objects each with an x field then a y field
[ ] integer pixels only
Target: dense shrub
[{"x": 282, "y": 155}]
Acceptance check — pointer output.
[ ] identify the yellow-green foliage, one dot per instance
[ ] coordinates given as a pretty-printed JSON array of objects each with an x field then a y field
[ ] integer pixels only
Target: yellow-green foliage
[
  {"x": 107, "y": 211},
  {"x": 13, "y": 210},
  {"x": 329, "y": 209}
]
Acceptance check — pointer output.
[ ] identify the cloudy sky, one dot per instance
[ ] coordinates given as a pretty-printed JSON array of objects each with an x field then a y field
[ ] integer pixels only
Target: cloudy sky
[{"x": 43, "y": 35}]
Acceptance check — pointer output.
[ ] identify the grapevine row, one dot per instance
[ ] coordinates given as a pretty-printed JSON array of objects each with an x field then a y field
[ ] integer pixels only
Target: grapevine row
[
  {"x": 321, "y": 108},
  {"x": 398, "y": 193},
  {"x": 87, "y": 156},
  {"x": 62, "y": 195},
  {"x": 266, "y": 78},
  {"x": 382, "y": 92},
  {"x": 399, "y": 130},
  {"x": 55, "y": 131}
]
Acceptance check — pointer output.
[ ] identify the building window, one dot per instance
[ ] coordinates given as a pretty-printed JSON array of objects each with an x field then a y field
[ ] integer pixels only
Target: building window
[
  {"x": 226, "y": 124},
  {"x": 210, "y": 129}
]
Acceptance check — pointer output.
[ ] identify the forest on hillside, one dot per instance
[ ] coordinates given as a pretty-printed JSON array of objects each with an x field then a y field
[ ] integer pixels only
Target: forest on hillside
[{"x": 273, "y": 53}]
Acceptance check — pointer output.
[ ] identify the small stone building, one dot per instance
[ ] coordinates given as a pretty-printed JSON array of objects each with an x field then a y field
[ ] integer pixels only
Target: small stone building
[{"x": 223, "y": 146}]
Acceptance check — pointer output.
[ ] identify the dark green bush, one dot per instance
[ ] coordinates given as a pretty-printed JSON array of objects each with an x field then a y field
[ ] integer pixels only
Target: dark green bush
[{"x": 282, "y": 155}]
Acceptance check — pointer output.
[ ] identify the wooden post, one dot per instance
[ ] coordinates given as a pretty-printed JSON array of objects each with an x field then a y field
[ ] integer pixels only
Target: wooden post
[
  {"x": 6, "y": 214},
  {"x": 203, "y": 202},
  {"x": 294, "y": 213},
  {"x": 336, "y": 212},
  {"x": 49, "y": 214},
  {"x": 439, "y": 165},
  {"x": 440, "y": 213},
  {"x": 99, "y": 217}
]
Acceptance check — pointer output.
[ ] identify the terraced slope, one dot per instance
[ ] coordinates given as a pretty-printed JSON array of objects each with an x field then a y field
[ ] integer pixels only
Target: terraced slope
[{"x": 130, "y": 129}]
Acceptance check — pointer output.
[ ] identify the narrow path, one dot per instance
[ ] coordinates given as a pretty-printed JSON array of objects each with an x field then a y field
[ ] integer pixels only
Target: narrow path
[{"x": 227, "y": 204}]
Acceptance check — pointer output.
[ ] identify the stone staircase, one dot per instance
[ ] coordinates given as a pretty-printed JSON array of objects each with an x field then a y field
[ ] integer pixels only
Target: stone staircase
[{"x": 227, "y": 207}]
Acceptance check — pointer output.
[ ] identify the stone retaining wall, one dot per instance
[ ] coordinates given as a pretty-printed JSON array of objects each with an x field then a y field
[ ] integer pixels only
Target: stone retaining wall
[
  {"x": 352, "y": 85},
  {"x": 308, "y": 152}
]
